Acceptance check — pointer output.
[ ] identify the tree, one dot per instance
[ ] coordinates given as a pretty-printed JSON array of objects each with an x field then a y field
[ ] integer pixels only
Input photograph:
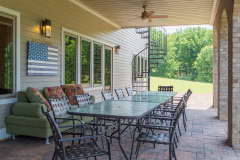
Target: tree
[
  {"x": 204, "y": 64},
  {"x": 183, "y": 49}
]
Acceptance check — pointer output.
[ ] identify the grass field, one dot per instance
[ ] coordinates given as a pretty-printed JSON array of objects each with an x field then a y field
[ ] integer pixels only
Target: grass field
[{"x": 181, "y": 86}]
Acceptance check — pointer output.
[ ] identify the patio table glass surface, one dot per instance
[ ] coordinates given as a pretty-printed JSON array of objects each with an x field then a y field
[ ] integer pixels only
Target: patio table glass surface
[
  {"x": 156, "y": 93},
  {"x": 146, "y": 98},
  {"x": 116, "y": 109}
]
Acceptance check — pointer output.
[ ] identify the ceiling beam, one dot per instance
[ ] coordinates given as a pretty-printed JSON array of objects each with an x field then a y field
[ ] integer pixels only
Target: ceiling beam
[
  {"x": 83, "y": 6},
  {"x": 214, "y": 11}
]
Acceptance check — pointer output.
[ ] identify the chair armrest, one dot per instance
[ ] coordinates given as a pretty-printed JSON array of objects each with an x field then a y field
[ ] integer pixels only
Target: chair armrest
[
  {"x": 156, "y": 126},
  {"x": 80, "y": 138},
  {"x": 164, "y": 118},
  {"x": 72, "y": 126},
  {"x": 71, "y": 119},
  {"x": 76, "y": 126},
  {"x": 28, "y": 109}
]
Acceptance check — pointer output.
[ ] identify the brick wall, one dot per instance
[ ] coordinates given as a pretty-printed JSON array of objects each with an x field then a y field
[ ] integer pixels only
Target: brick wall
[
  {"x": 235, "y": 127},
  {"x": 230, "y": 45}
]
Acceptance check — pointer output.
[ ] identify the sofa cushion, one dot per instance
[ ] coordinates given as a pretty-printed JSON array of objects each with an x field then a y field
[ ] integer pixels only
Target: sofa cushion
[
  {"x": 34, "y": 96},
  {"x": 28, "y": 109},
  {"x": 71, "y": 90},
  {"x": 22, "y": 96},
  {"x": 53, "y": 92}
]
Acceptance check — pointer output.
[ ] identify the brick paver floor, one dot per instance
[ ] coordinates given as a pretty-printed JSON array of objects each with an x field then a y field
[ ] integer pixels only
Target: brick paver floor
[{"x": 205, "y": 139}]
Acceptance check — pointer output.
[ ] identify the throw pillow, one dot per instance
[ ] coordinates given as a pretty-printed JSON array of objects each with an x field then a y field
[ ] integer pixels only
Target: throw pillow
[
  {"x": 34, "y": 96},
  {"x": 53, "y": 92},
  {"x": 71, "y": 90}
]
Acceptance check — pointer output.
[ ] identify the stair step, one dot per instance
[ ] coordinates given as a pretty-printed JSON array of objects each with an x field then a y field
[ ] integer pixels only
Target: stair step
[
  {"x": 140, "y": 82},
  {"x": 156, "y": 58},
  {"x": 157, "y": 54}
]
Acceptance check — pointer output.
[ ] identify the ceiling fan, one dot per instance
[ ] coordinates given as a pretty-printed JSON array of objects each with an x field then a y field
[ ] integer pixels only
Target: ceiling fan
[{"x": 149, "y": 15}]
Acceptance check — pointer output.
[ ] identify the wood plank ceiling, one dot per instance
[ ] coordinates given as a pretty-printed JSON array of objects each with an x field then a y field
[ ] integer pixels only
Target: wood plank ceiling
[{"x": 126, "y": 13}]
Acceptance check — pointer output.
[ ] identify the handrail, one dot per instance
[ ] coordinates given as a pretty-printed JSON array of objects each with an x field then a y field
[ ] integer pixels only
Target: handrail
[{"x": 150, "y": 56}]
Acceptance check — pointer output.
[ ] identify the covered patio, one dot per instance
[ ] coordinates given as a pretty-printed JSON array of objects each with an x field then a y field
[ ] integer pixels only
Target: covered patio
[{"x": 65, "y": 49}]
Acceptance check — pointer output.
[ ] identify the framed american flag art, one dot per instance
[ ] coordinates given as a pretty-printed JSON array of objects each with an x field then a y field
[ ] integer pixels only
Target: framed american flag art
[{"x": 42, "y": 59}]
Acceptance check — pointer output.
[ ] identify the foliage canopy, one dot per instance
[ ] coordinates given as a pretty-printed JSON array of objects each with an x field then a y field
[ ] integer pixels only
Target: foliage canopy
[{"x": 184, "y": 47}]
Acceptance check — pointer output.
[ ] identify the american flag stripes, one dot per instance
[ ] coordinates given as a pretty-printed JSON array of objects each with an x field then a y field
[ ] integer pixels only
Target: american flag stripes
[{"x": 42, "y": 59}]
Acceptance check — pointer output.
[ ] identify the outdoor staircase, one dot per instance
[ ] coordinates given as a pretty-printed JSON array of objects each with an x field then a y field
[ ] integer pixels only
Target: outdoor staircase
[{"x": 149, "y": 58}]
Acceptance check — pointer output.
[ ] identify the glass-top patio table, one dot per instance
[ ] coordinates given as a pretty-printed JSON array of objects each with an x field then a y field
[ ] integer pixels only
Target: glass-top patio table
[
  {"x": 156, "y": 93},
  {"x": 146, "y": 98},
  {"x": 132, "y": 108}
]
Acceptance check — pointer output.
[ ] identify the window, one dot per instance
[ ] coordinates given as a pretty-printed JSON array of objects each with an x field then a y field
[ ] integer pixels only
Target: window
[
  {"x": 70, "y": 59},
  {"x": 108, "y": 70},
  {"x": 7, "y": 55},
  {"x": 97, "y": 64},
  {"x": 85, "y": 63}
]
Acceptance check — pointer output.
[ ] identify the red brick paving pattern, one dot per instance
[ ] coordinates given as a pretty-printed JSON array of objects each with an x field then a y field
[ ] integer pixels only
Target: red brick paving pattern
[{"x": 205, "y": 139}]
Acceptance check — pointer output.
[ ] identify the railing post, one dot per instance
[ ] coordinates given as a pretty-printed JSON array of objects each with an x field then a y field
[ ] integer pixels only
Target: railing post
[{"x": 149, "y": 51}]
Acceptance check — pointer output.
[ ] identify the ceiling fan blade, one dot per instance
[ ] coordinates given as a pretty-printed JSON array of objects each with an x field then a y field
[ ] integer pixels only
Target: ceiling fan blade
[
  {"x": 158, "y": 16},
  {"x": 149, "y": 20},
  {"x": 131, "y": 19},
  {"x": 150, "y": 13}
]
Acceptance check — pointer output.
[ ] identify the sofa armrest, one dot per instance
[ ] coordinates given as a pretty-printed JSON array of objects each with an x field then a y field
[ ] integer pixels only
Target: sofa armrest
[
  {"x": 92, "y": 98},
  {"x": 28, "y": 109}
]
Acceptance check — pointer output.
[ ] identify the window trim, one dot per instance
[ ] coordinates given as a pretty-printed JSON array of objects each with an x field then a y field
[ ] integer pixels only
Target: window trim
[
  {"x": 11, "y": 98},
  {"x": 92, "y": 40},
  {"x": 77, "y": 50}
]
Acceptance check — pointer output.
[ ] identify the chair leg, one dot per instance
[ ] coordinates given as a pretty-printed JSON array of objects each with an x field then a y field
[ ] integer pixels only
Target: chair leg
[
  {"x": 177, "y": 137},
  {"x": 179, "y": 129},
  {"x": 13, "y": 137},
  {"x": 54, "y": 155},
  {"x": 132, "y": 144},
  {"x": 170, "y": 151},
  {"x": 138, "y": 149},
  {"x": 47, "y": 140},
  {"x": 184, "y": 122},
  {"x": 185, "y": 115},
  {"x": 174, "y": 153},
  {"x": 175, "y": 143}
]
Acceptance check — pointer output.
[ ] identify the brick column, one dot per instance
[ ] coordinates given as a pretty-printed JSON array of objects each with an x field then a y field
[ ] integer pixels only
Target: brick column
[
  {"x": 234, "y": 116},
  {"x": 215, "y": 69},
  {"x": 223, "y": 55}
]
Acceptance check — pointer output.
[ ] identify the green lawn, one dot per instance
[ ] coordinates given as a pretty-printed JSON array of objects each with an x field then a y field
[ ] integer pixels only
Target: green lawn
[{"x": 181, "y": 86}]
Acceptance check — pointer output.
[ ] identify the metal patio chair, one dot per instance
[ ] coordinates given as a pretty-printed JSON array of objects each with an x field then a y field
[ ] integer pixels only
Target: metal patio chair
[
  {"x": 107, "y": 96},
  {"x": 59, "y": 110},
  {"x": 165, "y": 88},
  {"x": 158, "y": 133},
  {"x": 119, "y": 93},
  {"x": 129, "y": 91},
  {"x": 83, "y": 100},
  {"x": 86, "y": 147}
]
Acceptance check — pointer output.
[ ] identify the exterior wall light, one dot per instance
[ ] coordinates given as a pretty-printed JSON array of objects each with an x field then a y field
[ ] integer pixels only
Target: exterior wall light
[
  {"x": 46, "y": 28},
  {"x": 117, "y": 48}
]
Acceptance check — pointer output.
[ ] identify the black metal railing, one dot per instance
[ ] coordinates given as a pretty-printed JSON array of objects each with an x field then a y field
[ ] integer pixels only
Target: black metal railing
[{"x": 148, "y": 58}]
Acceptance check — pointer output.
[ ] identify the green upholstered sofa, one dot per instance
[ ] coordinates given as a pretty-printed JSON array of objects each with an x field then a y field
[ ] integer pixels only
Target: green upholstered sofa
[{"x": 27, "y": 119}]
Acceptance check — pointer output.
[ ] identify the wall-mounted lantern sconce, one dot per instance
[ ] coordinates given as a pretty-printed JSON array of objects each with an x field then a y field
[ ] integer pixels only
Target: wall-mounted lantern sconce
[
  {"x": 117, "y": 48},
  {"x": 46, "y": 28}
]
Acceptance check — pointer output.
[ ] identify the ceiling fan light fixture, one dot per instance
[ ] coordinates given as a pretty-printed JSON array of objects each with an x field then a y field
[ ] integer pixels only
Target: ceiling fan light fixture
[{"x": 145, "y": 19}]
